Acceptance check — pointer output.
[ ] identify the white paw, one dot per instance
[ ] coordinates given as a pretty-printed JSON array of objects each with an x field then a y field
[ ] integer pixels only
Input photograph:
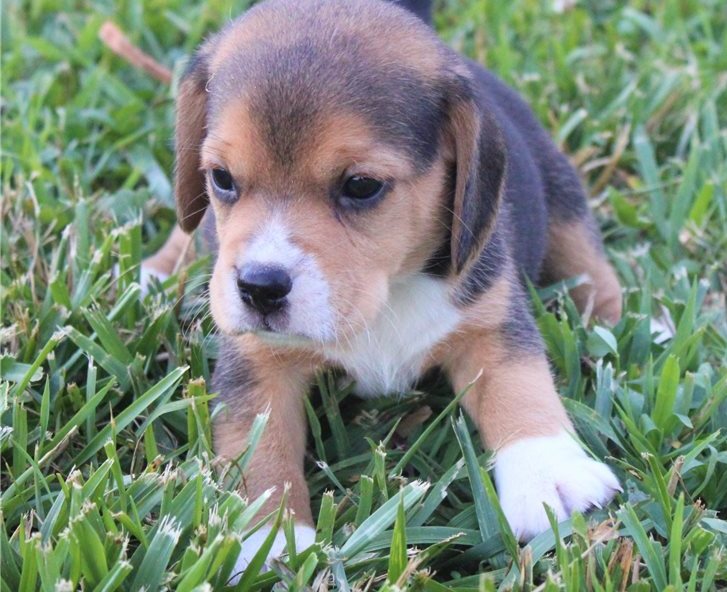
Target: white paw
[
  {"x": 553, "y": 470},
  {"x": 146, "y": 274},
  {"x": 305, "y": 536},
  {"x": 662, "y": 328}
]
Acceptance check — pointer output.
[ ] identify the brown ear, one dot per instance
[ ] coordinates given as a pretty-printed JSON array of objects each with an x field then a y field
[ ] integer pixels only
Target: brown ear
[
  {"x": 189, "y": 182},
  {"x": 479, "y": 153}
]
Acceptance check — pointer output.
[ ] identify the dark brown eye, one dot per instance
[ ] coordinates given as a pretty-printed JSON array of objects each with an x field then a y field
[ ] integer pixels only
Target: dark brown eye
[
  {"x": 222, "y": 180},
  {"x": 361, "y": 188}
]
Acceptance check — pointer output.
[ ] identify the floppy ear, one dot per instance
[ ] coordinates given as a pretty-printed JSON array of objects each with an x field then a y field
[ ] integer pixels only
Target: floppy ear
[
  {"x": 480, "y": 161},
  {"x": 189, "y": 183}
]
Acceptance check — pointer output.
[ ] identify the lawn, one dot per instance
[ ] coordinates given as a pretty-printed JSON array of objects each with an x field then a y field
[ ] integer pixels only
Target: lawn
[{"x": 108, "y": 476}]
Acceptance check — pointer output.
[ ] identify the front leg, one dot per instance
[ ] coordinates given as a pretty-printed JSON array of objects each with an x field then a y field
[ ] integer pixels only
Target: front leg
[
  {"x": 520, "y": 416},
  {"x": 252, "y": 378}
]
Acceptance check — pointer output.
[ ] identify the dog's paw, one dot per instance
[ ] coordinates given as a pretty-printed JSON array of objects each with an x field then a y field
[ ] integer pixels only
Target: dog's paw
[
  {"x": 553, "y": 470},
  {"x": 305, "y": 536},
  {"x": 146, "y": 273}
]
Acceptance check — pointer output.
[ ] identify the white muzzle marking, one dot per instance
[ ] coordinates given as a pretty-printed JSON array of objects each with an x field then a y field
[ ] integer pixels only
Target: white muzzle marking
[{"x": 308, "y": 312}]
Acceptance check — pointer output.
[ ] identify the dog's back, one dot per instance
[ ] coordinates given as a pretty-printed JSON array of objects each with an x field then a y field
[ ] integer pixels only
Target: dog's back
[{"x": 421, "y": 8}]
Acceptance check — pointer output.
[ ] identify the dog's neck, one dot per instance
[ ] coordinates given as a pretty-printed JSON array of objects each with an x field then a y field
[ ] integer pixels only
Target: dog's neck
[{"x": 390, "y": 353}]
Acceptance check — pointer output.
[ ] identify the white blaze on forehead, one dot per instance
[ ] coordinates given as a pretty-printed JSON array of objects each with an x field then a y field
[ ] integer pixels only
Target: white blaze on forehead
[
  {"x": 309, "y": 310},
  {"x": 271, "y": 246}
]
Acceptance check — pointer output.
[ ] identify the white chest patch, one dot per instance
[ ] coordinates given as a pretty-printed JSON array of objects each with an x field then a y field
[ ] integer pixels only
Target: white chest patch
[{"x": 388, "y": 357}]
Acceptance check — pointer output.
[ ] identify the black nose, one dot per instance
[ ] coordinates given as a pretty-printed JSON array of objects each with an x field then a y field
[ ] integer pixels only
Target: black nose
[{"x": 264, "y": 287}]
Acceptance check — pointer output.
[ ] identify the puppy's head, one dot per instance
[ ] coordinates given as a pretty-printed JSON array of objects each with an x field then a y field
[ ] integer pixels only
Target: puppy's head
[{"x": 341, "y": 146}]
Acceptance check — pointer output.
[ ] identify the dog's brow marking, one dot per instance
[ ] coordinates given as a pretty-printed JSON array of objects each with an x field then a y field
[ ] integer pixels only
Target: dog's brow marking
[{"x": 388, "y": 357}]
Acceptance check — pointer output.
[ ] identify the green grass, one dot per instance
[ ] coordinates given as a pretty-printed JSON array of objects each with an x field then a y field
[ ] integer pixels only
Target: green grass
[{"x": 107, "y": 474}]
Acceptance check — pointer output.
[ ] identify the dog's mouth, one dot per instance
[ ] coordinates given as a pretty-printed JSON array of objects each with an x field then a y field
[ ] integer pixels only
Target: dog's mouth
[
  {"x": 285, "y": 339},
  {"x": 274, "y": 328}
]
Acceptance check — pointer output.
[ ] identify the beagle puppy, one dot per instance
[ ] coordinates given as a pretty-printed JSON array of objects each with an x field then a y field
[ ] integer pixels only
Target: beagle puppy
[{"x": 375, "y": 201}]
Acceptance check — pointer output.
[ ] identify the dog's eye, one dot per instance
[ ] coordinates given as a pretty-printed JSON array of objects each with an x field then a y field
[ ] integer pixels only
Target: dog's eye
[
  {"x": 222, "y": 179},
  {"x": 361, "y": 188},
  {"x": 223, "y": 183}
]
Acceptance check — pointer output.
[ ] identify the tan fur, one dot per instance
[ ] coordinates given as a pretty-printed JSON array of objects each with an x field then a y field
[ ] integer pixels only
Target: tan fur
[
  {"x": 176, "y": 251},
  {"x": 428, "y": 230},
  {"x": 188, "y": 181},
  {"x": 514, "y": 397},
  {"x": 490, "y": 310},
  {"x": 280, "y": 380},
  {"x": 572, "y": 252},
  {"x": 465, "y": 127},
  {"x": 344, "y": 137},
  {"x": 462, "y": 141},
  {"x": 233, "y": 139},
  {"x": 486, "y": 316}
]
